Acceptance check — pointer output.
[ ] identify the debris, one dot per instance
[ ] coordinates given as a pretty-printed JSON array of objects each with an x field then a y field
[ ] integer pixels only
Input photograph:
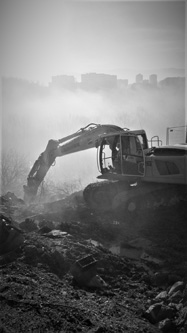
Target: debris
[
  {"x": 84, "y": 269},
  {"x": 56, "y": 234},
  {"x": 10, "y": 199},
  {"x": 111, "y": 292}
]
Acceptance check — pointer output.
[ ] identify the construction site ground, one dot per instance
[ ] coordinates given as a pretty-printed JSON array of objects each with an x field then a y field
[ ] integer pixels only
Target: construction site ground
[{"x": 139, "y": 280}]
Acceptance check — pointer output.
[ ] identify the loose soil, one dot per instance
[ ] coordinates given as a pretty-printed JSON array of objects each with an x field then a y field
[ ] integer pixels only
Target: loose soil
[{"x": 137, "y": 257}]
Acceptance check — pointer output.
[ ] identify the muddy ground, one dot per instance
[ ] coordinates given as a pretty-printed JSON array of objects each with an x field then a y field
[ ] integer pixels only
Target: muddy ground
[{"x": 65, "y": 268}]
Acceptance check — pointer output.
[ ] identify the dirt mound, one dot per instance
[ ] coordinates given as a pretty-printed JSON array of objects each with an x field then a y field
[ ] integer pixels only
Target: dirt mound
[{"x": 138, "y": 281}]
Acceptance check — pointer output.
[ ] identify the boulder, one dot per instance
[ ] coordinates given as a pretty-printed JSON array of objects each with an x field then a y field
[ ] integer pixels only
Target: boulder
[
  {"x": 158, "y": 312},
  {"x": 165, "y": 325},
  {"x": 152, "y": 313}
]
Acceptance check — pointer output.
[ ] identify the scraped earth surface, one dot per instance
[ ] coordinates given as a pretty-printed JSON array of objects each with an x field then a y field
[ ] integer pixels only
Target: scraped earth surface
[{"x": 141, "y": 269}]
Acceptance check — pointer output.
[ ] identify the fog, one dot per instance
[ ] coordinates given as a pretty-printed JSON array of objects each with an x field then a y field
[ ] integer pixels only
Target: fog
[{"x": 30, "y": 119}]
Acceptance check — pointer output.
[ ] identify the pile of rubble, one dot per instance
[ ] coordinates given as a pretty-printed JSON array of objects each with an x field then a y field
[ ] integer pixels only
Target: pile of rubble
[{"x": 58, "y": 274}]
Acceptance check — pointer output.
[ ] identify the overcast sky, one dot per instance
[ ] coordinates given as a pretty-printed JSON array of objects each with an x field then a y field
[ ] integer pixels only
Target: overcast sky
[{"x": 42, "y": 38}]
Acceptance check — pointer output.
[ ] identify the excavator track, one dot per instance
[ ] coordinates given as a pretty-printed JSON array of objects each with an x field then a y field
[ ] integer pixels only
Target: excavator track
[
  {"x": 130, "y": 198},
  {"x": 100, "y": 195}
]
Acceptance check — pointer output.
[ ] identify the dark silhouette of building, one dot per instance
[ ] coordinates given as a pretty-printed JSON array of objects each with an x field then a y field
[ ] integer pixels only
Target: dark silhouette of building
[
  {"x": 172, "y": 82},
  {"x": 61, "y": 82},
  {"x": 139, "y": 78},
  {"x": 122, "y": 83},
  {"x": 94, "y": 81},
  {"x": 153, "y": 79}
]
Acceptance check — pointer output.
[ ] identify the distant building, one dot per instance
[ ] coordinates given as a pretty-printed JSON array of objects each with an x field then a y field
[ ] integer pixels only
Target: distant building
[
  {"x": 139, "y": 78},
  {"x": 63, "y": 82},
  {"x": 21, "y": 87},
  {"x": 172, "y": 82},
  {"x": 94, "y": 81},
  {"x": 122, "y": 83},
  {"x": 145, "y": 81},
  {"x": 153, "y": 79}
]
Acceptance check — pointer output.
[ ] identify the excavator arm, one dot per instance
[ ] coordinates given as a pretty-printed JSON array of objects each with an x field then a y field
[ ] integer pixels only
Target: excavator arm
[{"x": 85, "y": 138}]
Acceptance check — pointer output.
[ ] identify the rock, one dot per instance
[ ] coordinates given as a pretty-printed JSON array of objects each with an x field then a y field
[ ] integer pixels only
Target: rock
[
  {"x": 182, "y": 318},
  {"x": 56, "y": 234},
  {"x": 165, "y": 325},
  {"x": 158, "y": 312},
  {"x": 175, "y": 307},
  {"x": 179, "y": 285},
  {"x": 152, "y": 313},
  {"x": 165, "y": 312},
  {"x": 176, "y": 297},
  {"x": 162, "y": 295}
]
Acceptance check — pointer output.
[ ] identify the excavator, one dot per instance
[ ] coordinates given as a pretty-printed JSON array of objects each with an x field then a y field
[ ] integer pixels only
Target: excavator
[{"x": 133, "y": 175}]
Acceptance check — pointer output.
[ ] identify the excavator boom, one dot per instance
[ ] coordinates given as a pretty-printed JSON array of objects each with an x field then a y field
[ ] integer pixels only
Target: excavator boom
[{"x": 85, "y": 138}]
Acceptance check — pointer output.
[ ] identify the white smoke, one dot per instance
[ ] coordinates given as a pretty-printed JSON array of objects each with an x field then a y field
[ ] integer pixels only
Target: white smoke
[{"x": 30, "y": 121}]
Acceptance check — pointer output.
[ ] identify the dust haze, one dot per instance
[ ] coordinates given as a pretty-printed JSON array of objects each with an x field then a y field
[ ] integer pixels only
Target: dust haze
[{"x": 31, "y": 118}]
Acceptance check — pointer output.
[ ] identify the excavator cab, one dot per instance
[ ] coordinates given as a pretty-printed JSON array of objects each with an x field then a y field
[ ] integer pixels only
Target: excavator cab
[{"x": 121, "y": 156}]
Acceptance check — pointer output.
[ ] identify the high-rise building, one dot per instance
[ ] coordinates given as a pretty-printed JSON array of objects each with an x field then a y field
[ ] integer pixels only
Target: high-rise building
[
  {"x": 139, "y": 78},
  {"x": 153, "y": 79}
]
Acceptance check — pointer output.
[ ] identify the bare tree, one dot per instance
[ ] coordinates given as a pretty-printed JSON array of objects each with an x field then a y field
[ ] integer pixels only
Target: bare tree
[
  {"x": 50, "y": 190},
  {"x": 14, "y": 169}
]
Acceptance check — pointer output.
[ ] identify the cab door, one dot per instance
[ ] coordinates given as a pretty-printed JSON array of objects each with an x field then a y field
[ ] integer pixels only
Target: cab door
[{"x": 132, "y": 156}]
